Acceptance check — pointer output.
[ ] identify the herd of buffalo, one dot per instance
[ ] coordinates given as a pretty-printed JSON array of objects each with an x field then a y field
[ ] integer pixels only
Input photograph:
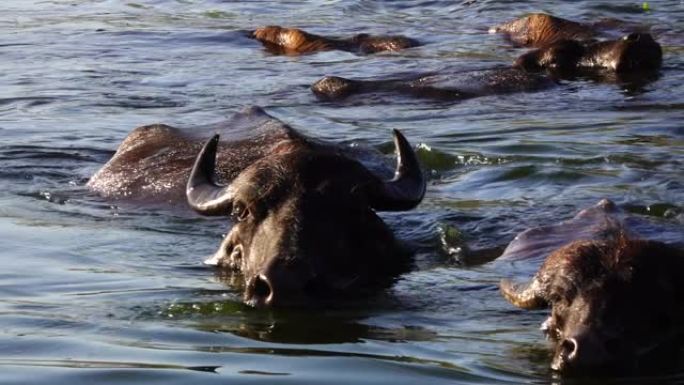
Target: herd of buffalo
[{"x": 304, "y": 217}]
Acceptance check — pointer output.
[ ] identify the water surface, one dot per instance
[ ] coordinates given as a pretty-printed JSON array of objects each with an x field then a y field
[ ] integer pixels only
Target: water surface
[{"x": 96, "y": 292}]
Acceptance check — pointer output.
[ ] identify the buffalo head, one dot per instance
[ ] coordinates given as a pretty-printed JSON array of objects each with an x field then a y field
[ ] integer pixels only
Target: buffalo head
[
  {"x": 615, "y": 304},
  {"x": 304, "y": 220},
  {"x": 633, "y": 52}
]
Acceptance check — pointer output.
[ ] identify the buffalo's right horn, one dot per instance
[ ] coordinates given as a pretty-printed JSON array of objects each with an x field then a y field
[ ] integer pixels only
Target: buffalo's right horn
[
  {"x": 202, "y": 192},
  {"x": 530, "y": 297},
  {"x": 407, "y": 189}
]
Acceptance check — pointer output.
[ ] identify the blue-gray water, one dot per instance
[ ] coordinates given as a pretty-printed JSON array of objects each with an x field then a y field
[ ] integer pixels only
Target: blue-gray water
[{"x": 91, "y": 292}]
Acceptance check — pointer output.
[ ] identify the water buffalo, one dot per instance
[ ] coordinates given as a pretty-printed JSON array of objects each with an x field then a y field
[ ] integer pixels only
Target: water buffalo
[
  {"x": 447, "y": 86},
  {"x": 533, "y": 71},
  {"x": 633, "y": 52},
  {"x": 293, "y": 41},
  {"x": 539, "y": 29},
  {"x": 305, "y": 226},
  {"x": 567, "y": 45},
  {"x": 617, "y": 302}
]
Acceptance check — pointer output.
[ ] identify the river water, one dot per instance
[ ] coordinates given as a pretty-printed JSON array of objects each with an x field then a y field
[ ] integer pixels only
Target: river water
[{"x": 96, "y": 292}]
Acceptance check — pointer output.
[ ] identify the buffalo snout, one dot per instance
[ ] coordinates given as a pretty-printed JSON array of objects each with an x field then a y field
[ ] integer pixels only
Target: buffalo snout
[
  {"x": 584, "y": 351},
  {"x": 259, "y": 291},
  {"x": 281, "y": 283}
]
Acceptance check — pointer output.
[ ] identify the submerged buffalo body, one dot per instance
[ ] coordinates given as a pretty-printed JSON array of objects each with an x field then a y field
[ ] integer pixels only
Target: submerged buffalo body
[
  {"x": 616, "y": 302},
  {"x": 565, "y": 49},
  {"x": 304, "y": 211},
  {"x": 293, "y": 41},
  {"x": 447, "y": 86},
  {"x": 633, "y": 52}
]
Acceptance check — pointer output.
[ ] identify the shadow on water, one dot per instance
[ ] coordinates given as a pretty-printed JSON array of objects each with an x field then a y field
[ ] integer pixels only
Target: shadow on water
[
  {"x": 631, "y": 83},
  {"x": 301, "y": 326}
]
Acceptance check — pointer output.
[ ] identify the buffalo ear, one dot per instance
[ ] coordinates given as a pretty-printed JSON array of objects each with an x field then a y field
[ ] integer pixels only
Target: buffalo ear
[{"x": 529, "y": 297}]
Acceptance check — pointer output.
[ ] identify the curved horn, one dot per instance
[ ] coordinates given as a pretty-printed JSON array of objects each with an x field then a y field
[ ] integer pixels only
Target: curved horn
[
  {"x": 203, "y": 194},
  {"x": 407, "y": 188},
  {"x": 528, "y": 298}
]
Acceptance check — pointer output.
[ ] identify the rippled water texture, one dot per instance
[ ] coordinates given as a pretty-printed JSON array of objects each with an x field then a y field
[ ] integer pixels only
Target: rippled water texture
[{"x": 92, "y": 292}]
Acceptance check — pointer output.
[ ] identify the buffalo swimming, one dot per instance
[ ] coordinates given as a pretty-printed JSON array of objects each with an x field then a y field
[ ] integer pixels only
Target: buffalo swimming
[
  {"x": 304, "y": 211},
  {"x": 563, "y": 50},
  {"x": 617, "y": 301},
  {"x": 294, "y": 41}
]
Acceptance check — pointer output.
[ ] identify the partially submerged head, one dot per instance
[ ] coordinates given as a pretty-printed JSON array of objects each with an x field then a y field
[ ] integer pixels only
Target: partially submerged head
[
  {"x": 334, "y": 87},
  {"x": 633, "y": 52},
  {"x": 290, "y": 41},
  {"x": 305, "y": 225},
  {"x": 613, "y": 303}
]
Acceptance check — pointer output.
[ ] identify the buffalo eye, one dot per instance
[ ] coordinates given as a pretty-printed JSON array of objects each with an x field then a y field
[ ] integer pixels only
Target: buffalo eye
[{"x": 240, "y": 211}]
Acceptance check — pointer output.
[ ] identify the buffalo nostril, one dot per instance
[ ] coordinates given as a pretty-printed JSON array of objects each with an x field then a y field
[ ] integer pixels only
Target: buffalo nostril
[
  {"x": 259, "y": 292},
  {"x": 262, "y": 288},
  {"x": 568, "y": 350}
]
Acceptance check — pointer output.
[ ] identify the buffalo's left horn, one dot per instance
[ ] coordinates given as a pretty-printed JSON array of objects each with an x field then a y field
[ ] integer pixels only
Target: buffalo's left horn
[
  {"x": 407, "y": 188},
  {"x": 202, "y": 192},
  {"x": 530, "y": 297}
]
